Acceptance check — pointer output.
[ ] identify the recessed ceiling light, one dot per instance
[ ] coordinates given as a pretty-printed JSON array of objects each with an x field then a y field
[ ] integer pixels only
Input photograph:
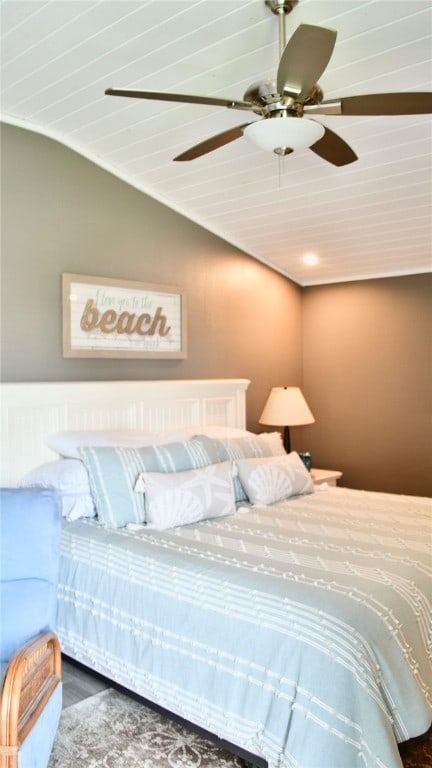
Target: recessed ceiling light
[{"x": 310, "y": 259}]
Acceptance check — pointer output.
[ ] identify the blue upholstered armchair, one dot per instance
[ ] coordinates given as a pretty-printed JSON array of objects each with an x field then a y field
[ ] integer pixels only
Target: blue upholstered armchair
[{"x": 31, "y": 697}]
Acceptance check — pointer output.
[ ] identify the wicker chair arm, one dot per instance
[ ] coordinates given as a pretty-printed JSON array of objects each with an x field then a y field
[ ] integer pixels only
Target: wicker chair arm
[{"x": 31, "y": 678}]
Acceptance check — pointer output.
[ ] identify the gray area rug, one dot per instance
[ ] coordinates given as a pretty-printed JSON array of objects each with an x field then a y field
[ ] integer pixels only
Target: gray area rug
[{"x": 111, "y": 730}]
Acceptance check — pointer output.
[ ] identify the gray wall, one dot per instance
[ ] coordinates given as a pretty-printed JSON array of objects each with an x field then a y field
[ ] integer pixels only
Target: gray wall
[
  {"x": 61, "y": 213},
  {"x": 367, "y": 373}
]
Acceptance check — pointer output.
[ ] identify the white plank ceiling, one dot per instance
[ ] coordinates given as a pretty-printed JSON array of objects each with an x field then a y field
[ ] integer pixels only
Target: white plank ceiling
[{"x": 370, "y": 218}]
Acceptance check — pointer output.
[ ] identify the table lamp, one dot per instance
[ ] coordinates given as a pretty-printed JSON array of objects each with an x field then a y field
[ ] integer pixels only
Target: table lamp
[{"x": 286, "y": 407}]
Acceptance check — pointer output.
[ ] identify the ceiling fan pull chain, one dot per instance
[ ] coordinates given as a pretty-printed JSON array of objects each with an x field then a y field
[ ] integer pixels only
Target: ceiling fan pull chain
[{"x": 281, "y": 168}]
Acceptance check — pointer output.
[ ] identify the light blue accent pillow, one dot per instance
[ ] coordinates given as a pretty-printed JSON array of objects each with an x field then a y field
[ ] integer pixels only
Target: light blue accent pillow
[
  {"x": 180, "y": 498},
  {"x": 250, "y": 447},
  {"x": 113, "y": 473}
]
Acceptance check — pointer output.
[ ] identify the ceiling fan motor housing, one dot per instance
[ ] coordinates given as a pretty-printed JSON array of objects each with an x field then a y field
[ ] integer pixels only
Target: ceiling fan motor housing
[
  {"x": 265, "y": 99},
  {"x": 261, "y": 95}
]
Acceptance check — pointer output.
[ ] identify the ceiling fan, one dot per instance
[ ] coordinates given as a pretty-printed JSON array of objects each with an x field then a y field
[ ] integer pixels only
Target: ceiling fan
[{"x": 285, "y": 104}]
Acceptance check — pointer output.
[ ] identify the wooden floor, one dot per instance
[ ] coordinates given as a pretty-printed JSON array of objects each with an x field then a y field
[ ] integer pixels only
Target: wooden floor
[{"x": 79, "y": 685}]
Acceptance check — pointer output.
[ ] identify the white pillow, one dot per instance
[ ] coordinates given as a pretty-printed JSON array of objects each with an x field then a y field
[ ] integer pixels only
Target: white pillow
[
  {"x": 181, "y": 498},
  {"x": 69, "y": 477},
  {"x": 268, "y": 480},
  {"x": 249, "y": 445},
  {"x": 217, "y": 430},
  {"x": 68, "y": 443}
]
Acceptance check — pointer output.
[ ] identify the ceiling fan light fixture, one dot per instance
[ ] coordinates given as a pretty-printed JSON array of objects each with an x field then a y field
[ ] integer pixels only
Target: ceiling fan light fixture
[{"x": 282, "y": 135}]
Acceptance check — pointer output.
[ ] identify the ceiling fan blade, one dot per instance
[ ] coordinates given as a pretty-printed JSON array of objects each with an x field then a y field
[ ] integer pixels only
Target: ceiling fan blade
[
  {"x": 409, "y": 103},
  {"x": 214, "y": 142},
  {"x": 334, "y": 149},
  {"x": 388, "y": 104},
  {"x": 304, "y": 59},
  {"x": 186, "y": 98}
]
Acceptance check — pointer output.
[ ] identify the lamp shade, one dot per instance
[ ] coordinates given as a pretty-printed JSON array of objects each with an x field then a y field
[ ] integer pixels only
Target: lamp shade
[
  {"x": 284, "y": 133},
  {"x": 286, "y": 407}
]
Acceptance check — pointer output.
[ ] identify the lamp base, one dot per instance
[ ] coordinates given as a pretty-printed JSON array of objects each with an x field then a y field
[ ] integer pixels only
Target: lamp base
[{"x": 287, "y": 440}]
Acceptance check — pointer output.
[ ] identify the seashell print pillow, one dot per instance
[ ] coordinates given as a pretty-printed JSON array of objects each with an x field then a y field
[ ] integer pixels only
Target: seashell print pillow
[
  {"x": 272, "y": 479},
  {"x": 181, "y": 498}
]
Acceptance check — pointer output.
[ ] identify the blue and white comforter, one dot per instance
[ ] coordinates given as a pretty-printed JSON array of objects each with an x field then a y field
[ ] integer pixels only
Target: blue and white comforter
[{"x": 301, "y": 631}]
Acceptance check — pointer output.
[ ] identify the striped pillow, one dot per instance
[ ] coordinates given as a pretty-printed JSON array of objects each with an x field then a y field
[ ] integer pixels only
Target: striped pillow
[{"x": 113, "y": 473}]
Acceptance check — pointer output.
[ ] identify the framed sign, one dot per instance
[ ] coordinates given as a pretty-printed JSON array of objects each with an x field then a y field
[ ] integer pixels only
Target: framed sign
[{"x": 104, "y": 317}]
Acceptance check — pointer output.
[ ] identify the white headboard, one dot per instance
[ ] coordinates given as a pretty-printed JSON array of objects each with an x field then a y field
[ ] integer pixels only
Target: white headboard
[{"x": 32, "y": 411}]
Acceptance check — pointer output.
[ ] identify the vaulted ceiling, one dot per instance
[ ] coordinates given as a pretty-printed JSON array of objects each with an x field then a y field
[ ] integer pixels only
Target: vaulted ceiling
[{"x": 369, "y": 218}]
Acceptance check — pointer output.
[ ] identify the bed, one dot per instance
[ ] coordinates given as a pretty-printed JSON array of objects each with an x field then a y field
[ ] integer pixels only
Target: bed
[{"x": 298, "y": 631}]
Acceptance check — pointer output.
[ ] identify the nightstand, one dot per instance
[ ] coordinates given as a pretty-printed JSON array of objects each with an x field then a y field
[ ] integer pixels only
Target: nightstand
[{"x": 329, "y": 476}]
